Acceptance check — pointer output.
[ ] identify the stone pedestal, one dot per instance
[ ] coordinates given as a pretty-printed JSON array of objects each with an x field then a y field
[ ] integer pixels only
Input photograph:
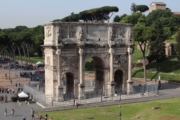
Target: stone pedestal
[
  {"x": 60, "y": 97},
  {"x": 129, "y": 87},
  {"x": 111, "y": 90},
  {"x": 81, "y": 92}
]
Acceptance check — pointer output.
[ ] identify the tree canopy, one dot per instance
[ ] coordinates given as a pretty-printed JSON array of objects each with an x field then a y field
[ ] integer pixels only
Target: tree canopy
[
  {"x": 142, "y": 8},
  {"x": 95, "y": 14},
  {"x": 178, "y": 44}
]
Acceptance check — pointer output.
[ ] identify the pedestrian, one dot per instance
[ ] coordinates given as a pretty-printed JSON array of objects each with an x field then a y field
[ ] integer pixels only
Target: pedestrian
[
  {"x": 74, "y": 102},
  {"x": 40, "y": 116},
  {"x": 24, "y": 118},
  {"x": 5, "y": 112},
  {"x": 46, "y": 117},
  {"x": 6, "y": 76},
  {"x": 32, "y": 110},
  {"x": 13, "y": 90},
  {"x": 2, "y": 90},
  {"x": 32, "y": 114},
  {"x": 12, "y": 112},
  {"x": 11, "y": 81}
]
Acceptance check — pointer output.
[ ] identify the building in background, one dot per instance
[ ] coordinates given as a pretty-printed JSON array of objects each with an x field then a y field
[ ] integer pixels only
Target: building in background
[{"x": 156, "y": 6}]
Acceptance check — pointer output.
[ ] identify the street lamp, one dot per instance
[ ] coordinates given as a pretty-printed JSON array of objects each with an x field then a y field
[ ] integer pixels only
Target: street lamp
[
  {"x": 120, "y": 92},
  {"x": 120, "y": 112},
  {"x": 9, "y": 68}
]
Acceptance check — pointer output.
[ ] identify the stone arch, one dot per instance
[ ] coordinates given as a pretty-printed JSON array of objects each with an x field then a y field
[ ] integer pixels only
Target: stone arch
[
  {"x": 68, "y": 81},
  {"x": 99, "y": 65},
  {"x": 94, "y": 55},
  {"x": 118, "y": 78}
]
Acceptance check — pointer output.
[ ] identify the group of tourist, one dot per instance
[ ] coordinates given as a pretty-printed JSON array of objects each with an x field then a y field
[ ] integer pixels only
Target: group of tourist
[
  {"x": 12, "y": 112},
  {"x": 40, "y": 117},
  {"x": 7, "y": 90}
]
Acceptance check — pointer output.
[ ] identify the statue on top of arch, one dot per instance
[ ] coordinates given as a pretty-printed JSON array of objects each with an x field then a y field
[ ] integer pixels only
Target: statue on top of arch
[{"x": 80, "y": 34}]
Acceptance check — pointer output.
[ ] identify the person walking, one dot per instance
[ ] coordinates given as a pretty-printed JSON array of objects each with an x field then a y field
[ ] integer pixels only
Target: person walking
[
  {"x": 5, "y": 112},
  {"x": 11, "y": 81},
  {"x": 40, "y": 117},
  {"x": 74, "y": 101},
  {"x": 24, "y": 118},
  {"x": 12, "y": 112},
  {"x": 6, "y": 76},
  {"x": 46, "y": 117},
  {"x": 32, "y": 114}
]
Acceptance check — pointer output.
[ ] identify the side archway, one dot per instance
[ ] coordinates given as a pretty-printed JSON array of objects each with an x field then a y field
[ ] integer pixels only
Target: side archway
[{"x": 118, "y": 79}]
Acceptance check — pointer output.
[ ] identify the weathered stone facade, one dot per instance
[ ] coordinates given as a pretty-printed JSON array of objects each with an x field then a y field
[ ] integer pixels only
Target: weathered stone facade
[{"x": 67, "y": 47}]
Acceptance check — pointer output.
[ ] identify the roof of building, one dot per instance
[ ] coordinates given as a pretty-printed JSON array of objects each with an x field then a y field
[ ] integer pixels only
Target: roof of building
[
  {"x": 176, "y": 13},
  {"x": 158, "y": 3}
]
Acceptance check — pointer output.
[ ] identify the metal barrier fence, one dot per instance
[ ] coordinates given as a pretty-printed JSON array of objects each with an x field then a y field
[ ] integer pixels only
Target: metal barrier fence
[
  {"x": 35, "y": 95},
  {"x": 93, "y": 96}
]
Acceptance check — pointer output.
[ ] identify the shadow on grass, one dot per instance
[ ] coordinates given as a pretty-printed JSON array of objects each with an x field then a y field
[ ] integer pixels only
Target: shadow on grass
[
  {"x": 153, "y": 77},
  {"x": 167, "y": 66},
  {"x": 136, "y": 72}
]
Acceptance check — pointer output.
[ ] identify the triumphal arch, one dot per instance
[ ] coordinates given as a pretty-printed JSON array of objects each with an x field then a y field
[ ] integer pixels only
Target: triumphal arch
[{"x": 68, "y": 46}]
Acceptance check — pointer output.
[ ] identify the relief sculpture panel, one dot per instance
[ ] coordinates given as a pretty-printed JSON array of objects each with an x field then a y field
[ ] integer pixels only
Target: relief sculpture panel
[{"x": 48, "y": 31}]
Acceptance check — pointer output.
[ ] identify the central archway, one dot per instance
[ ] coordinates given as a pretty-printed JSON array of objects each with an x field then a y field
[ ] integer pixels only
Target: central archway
[{"x": 94, "y": 73}]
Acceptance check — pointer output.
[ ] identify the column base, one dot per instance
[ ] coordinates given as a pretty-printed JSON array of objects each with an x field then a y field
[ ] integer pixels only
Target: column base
[
  {"x": 111, "y": 90},
  {"x": 81, "y": 92},
  {"x": 81, "y": 97},
  {"x": 60, "y": 97},
  {"x": 130, "y": 87}
]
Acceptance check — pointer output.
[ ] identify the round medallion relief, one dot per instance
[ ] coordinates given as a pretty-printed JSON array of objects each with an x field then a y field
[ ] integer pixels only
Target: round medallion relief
[{"x": 122, "y": 58}]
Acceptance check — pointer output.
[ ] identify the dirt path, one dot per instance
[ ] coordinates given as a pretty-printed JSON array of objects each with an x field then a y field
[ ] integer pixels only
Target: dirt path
[{"x": 6, "y": 82}]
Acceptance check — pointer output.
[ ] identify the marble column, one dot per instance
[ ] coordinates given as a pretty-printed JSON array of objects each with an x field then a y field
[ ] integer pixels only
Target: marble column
[
  {"x": 81, "y": 74},
  {"x": 59, "y": 86},
  {"x": 129, "y": 81},
  {"x": 111, "y": 73}
]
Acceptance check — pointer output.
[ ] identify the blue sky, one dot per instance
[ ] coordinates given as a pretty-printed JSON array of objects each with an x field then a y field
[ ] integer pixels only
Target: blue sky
[{"x": 37, "y": 12}]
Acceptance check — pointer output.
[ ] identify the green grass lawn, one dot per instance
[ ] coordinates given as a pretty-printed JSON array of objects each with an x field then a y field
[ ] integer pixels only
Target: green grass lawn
[
  {"x": 32, "y": 59},
  {"x": 172, "y": 38},
  {"x": 169, "y": 70},
  {"x": 137, "y": 53},
  {"x": 169, "y": 110}
]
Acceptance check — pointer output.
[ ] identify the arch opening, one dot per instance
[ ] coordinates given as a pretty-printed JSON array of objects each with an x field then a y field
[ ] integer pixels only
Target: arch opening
[
  {"x": 69, "y": 83},
  {"x": 94, "y": 73},
  {"x": 118, "y": 79}
]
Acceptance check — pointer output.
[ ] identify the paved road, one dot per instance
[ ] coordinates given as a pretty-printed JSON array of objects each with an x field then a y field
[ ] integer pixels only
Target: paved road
[{"x": 20, "y": 110}]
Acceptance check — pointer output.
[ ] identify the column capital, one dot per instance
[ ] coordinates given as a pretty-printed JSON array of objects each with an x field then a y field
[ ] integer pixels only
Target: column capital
[
  {"x": 129, "y": 50},
  {"x": 80, "y": 51},
  {"x": 58, "y": 52},
  {"x": 111, "y": 51}
]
